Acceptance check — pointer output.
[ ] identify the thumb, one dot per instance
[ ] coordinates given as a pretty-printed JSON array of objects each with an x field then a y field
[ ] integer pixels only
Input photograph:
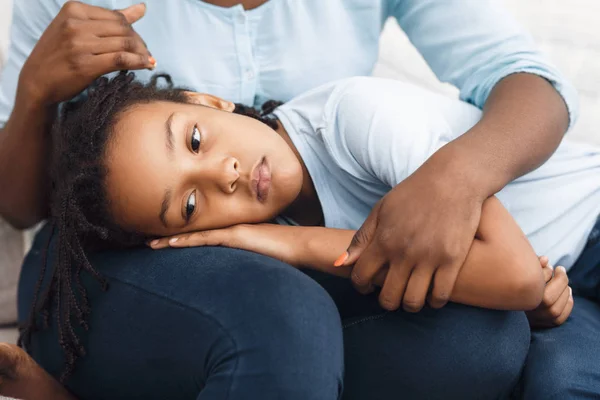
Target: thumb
[
  {"x": 134, "y": 13},
  {"x": 361, "y": 239}
]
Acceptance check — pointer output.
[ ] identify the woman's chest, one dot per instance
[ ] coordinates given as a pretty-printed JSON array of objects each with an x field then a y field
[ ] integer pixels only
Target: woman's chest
[{"x": 278, "y": 49}]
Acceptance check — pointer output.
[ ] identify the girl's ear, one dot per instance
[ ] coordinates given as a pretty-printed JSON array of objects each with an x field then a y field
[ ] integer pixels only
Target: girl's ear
[{"x": 209, "y": 100}]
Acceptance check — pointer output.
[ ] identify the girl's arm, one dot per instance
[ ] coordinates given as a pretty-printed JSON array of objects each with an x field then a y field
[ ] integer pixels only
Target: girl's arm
[{"x": 501, "y": 271}]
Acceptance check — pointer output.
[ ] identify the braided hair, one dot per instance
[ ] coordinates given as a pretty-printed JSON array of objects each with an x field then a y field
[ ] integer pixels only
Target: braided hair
[{"x": 79, "y": 209}]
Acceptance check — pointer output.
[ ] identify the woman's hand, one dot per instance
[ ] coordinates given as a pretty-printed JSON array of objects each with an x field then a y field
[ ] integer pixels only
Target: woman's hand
[
  {"x": 82, "y": 43},
  {"x": 557, "y": 303},
  {"x": 422, "y": 229},
  {"x": 268, "y": 239}
]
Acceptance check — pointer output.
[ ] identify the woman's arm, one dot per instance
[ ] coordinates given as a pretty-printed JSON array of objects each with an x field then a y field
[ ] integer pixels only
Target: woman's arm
[
  {"x": 480, "y": 49},
  {"x": 501, "y": 270},
  {"x": 39, "y": 76}
]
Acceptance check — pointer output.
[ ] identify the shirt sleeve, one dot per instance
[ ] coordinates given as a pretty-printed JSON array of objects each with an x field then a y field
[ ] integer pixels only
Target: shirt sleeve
[
  {"x": 30, "y": 19},
  {"x": 382, "y": 131},
  {"x": 473, "y": 44}
]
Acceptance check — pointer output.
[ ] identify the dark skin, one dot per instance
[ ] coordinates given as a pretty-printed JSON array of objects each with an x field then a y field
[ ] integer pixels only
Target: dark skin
[{"x": 523, "y": 123}]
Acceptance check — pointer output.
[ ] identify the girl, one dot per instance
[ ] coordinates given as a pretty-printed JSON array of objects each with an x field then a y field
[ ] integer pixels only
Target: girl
[{"x": 163, "y": 162}]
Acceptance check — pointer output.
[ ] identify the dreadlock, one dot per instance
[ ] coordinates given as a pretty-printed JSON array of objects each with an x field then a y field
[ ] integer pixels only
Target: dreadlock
[{"x": 79, "y": 210}]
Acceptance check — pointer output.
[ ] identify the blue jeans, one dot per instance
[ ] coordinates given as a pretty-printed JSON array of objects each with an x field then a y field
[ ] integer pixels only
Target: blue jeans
[
  {"x": 564, "y": 362},
  {"x": 216, "y": 323}
]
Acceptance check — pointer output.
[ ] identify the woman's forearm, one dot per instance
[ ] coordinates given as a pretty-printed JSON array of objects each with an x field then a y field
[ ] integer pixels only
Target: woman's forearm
[
  {"x": 524, "y": 120},
  {"x": 501, "y": 270},
  {"x": 24, "y": 150}
]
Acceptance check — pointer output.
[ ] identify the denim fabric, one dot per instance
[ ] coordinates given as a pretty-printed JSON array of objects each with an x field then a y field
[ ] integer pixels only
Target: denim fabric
[
  {"x": 215, "y": 323},
  {"x": 564, "y": 362}
]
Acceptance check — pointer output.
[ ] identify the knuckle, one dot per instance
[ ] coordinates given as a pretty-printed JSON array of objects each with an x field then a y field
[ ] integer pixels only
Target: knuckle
[
  {"x": 388, "y": 303},
  {"x": 358, "y": 280},
  {"x": 121, "y": 18},
  {"x": 412, "y": 304},
  {"x": 554, "y": 312},
  {"x": 71, "y": 7},
  {"x": 359, "y": 237},
  {"x": 120, "y": 60},
  {"x": 441, "y": 297},
  {"x": 128, "y": 44},
  {"x": 69, "y": 25}
]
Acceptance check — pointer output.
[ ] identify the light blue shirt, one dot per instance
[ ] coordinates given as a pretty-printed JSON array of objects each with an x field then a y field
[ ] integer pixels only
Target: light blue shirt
[
  {"x": 286, "y": 47},
  {"x": 360, "y": 137}
]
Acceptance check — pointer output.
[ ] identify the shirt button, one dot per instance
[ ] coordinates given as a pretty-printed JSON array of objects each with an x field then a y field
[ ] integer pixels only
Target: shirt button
[{"x": 249, "y": 74}]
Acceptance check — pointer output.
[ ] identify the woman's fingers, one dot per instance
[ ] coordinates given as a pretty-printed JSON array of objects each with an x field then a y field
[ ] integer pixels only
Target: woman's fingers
[
  {"x": 417, "y": 288},
  {"x": 368, "y": 264},
  {"x": 127, "y": 44},
  {"x": 394, "y": 287},
  {"x": 126, "y": 16},
  {"x": 109, "y": 62},
  {"x": 133, "y": 13}
]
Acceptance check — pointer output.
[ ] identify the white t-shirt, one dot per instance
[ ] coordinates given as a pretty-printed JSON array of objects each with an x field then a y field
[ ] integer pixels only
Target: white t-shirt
[{"x": 359, "y": 137}]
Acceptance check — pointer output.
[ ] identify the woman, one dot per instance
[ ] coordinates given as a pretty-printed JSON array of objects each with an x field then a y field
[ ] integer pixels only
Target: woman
[
  {"x": 277, "y": 50},
  {"x": 165, "y": 161}
]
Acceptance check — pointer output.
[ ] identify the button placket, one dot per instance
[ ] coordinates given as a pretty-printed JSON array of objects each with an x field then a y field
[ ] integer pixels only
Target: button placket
[{"x": 245, "y": 57}]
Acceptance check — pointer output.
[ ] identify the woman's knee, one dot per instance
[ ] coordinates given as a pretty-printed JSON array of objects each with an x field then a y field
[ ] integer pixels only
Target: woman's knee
[{"x": 496, "y": 345}]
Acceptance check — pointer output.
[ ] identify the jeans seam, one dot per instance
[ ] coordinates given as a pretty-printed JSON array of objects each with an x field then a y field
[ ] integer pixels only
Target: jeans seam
[
  {"x": 365, "y": 319},
  {"x": 194, "y": 310}
]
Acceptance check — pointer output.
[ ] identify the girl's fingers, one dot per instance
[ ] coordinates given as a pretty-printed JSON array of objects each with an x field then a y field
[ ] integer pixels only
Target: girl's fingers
[
  {"x": 556, "y": 309},
  {"x": 555, "y": 287},
  {"x": 544, "y": 261},
  {"x": 547, "y": 272},
  {"x": 566, "y": 312}
]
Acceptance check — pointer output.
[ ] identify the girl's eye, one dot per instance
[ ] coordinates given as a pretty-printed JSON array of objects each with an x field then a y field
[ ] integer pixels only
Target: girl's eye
[
  {"x": 196, "y": 139},
  {"x": 190, "y": 206}
]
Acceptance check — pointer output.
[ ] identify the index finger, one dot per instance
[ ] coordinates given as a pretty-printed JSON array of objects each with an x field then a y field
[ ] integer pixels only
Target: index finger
[{"x": 128, "y": 15}]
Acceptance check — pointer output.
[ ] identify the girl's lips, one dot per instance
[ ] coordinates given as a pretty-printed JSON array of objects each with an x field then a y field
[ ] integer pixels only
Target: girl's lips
[{"x": 261, "y": 180}]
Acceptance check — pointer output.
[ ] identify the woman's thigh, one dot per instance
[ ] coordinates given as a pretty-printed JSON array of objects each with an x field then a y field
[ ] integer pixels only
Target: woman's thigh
[
  {"x": 198, "y": 323},
  {"x": 457, "y": 352}
]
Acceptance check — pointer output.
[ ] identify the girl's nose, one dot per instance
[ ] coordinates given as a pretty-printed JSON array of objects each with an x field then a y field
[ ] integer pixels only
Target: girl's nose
[{"x": 230, "y": 175}]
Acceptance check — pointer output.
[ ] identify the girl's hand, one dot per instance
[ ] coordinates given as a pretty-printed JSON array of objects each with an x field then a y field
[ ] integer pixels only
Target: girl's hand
[
  {"x": 557, "y": 303},
  {"x": 82, "y": 43},
  {"x": 268, "y": 239}
]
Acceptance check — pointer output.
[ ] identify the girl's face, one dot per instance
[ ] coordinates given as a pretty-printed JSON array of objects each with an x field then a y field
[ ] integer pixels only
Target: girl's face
[{"x": 175, "y": 168}]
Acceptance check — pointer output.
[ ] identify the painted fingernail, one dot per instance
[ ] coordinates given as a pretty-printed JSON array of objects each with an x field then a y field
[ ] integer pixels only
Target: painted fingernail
[
  {"x": 154, "y": 242},
  {"x": 570, "y": 291},
  {"x": 551, "y": 267},
  {"x": 173, "y": 240},
  {"x": 341, "y": 259},
  {"x": 563, "y": 269}
]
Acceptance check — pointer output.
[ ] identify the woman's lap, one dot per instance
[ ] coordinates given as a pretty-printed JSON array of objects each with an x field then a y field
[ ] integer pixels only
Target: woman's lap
[
  {"x": 199, "y": 323},
  {"x": 457, "y": 352},
  {"x": 202, "y": 322}
]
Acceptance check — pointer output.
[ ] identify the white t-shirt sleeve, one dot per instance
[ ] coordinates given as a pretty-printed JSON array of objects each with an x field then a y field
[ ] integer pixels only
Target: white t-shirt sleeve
[{"x": 383, "y": 129}]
